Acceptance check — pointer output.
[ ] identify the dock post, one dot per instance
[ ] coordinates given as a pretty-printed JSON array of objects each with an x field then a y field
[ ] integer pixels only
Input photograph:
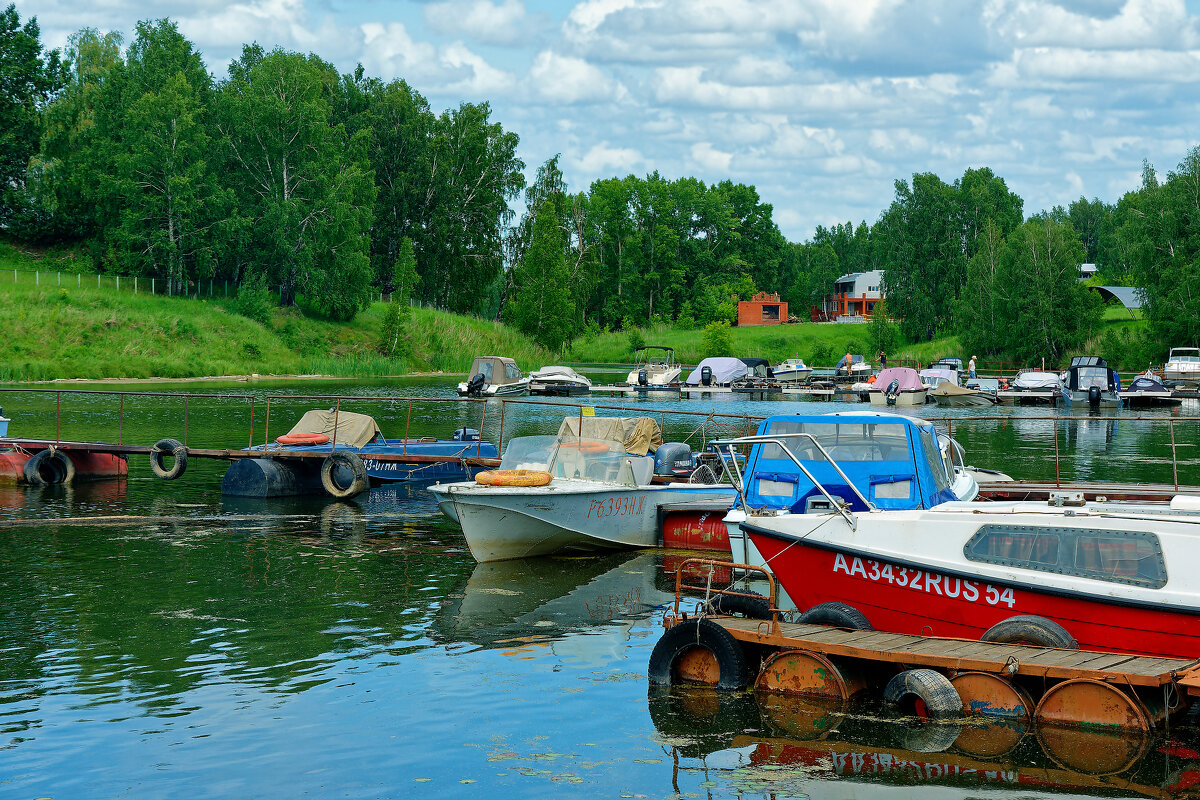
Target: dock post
[
  {"x": 336, "y": 410},
  {"x": 1057, "y": 485},
  {"x": 482, "y": 419},
  {"x": 57, "y": 417},
  {"x": 185, "y": 419},
  {"x": 267, "y": 423},
  {"x": 407, "y": 424},
  {"x": 251, "y": 444},
  {"x": 500, "y": 440},
  {"x": 121, "y": 422},
  {"x": 1174, "y": 463}
]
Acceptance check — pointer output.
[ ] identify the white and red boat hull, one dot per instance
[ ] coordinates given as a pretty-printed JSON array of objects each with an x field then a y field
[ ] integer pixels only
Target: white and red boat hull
[{"x": 914, "y": 596}]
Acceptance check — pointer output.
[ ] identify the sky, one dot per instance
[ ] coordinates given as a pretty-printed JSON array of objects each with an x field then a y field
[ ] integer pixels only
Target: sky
[{"x": 819, "y": 104}]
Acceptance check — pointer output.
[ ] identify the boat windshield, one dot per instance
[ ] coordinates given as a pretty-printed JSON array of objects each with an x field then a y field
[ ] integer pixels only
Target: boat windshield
[
  {"x": 1087, "y": 377},
  {"x": 588, "y": 459},
  {"x": 869, "y": 442},
  {"x": 529, "y": 452}
]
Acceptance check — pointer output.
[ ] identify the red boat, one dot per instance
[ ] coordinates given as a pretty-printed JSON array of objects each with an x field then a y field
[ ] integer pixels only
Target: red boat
[{"x": 853, "y": 509}]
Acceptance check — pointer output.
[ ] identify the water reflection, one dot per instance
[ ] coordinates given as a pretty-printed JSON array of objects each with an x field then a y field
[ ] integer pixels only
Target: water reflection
[{"x": 787, "y": 746}]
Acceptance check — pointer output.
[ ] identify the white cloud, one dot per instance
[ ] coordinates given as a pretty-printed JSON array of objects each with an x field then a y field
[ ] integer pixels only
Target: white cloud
[
  {"x": 391, "y": 52},
  {"x": 602, "y": 158},
  {"x": 503, "y": 23},
  {"x": 711, "y": 159},
  {"x": 564, "y": 79}
]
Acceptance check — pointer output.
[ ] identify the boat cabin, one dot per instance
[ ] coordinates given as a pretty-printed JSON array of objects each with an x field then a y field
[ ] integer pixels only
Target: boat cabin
[
  {"x": 937, "y": 375},
  {"x": 1088, "y": 371},
  {"x": 758, "y": 367},
  {"x": 496, "y": 370},
  {"x": 894, "y": 462},
  {"x": 653, "y": 354}
]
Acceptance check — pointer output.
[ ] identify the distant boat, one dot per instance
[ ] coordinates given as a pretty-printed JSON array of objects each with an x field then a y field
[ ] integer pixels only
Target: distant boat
[
  {"x": 1148, "y": 390},
  {"x": 1037, "y": 381},
  {"x": 951, "y": 394},
  {"x": 939, "y": 374},
  {"x": 1183, "y": 364},
  {"x": 898, "y": 386},
  {"x": 792, "y": 370},
  {"x": 717, "y": 371},
  {"x": 860, "y": 368},
  {"x": 493, "y": 376},
  {"x": 655, "y": 369},
  {"x": 558, "y": 382},
  {"x": 1090, "y": 381}
]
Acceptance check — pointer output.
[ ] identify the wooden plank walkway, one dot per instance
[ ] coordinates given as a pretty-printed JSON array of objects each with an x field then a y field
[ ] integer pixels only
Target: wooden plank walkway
[{"x": 963, "y": 654}]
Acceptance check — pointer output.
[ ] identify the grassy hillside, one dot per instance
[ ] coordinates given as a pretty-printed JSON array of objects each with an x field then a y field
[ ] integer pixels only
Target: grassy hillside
[{"x": 80, "y": 331}]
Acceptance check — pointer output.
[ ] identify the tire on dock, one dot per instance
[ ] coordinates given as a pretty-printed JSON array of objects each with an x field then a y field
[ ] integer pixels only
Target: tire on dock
[
  {"x": 343, "y": 474},
  {"x": 49, "y": 467},
  {"x": 924, "y": 693},
  {"x": 837, "y": 615},
  {"x": 1030, "y": 629},
  {"x": 176, "y": 450},
  {"x": 756, "y": 607},
  {"x": 699, "y": 652}
]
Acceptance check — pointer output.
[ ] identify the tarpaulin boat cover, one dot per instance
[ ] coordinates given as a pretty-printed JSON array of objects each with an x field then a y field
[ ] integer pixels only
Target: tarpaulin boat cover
[
  {"x": 936, "y": 375},
  {"x": 723, "y": 369},
  {"x": 352, "y": 429},
  {"x": 906, "y": 377},
  {"x": 1146, "y": 383},
  {"x": 641, "y": 435},
  {"x": 1037, "y": 380}
]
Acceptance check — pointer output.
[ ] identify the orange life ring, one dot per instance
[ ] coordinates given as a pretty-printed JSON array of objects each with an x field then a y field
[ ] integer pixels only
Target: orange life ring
[
  {"x": 302, "y": 438},
  {"x": 514, "y": 477}
]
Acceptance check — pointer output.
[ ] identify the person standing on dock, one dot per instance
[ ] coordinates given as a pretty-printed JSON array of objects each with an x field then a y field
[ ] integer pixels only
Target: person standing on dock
[
  {"x": 971, "y": 368},
  {"x": 882, "y": 360},
  {"x": 847, "y": 361}
]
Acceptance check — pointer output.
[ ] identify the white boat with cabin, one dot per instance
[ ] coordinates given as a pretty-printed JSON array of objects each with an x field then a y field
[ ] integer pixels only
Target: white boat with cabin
[
  {"x": 792, "y": 370},
  {"x": 558, "y": 381},
  {"x": 494, "y": 376},
  {"x": 1183, "y": 365},
  {"x": 655, "y": 369}
]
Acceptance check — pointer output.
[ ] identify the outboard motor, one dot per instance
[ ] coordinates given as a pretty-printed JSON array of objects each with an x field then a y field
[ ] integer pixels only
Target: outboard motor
[
  {"x": 643, "y": 377},
  {"x": 475, "y": 385},
  {"x": 1094, "y": 396},
  {"x": 466, "y": 435},
  {"x": 892, "y": 392},
  {"x": 706, "y": 376},
  {"x": 673, "y": 459}
]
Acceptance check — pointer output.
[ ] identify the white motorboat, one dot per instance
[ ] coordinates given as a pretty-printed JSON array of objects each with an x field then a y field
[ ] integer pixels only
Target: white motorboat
[
  {"x": 600, "y": 495},
  {"x": 655, "y": 369},
  {"x": 558, "y": 381},
  {"x": 860, "y": 369},
  {"x": 1183, "y": 365},
  {"x": 951, "y": 394},
  {"x": 898, "y": 386},
  {"x": 792, "y": 370},
  {"x": 937, "y": 375},
  {"x": 1091, "y": 382},
  {"x": 494, "y": 376},
  {"x": 869, "y": 518}
]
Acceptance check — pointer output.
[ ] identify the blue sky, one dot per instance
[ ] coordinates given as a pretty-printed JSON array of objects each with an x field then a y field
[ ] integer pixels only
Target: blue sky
[{"x": 820, "y": 104}]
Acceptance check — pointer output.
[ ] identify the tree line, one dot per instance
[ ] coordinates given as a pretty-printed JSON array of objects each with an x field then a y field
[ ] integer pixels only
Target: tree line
[{"x": 335, "y": 186}]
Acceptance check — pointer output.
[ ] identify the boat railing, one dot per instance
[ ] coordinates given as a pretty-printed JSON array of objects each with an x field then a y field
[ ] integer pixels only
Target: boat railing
[
  {"x": 709, "y": 567},
  {"x": 777, "y": 439}
]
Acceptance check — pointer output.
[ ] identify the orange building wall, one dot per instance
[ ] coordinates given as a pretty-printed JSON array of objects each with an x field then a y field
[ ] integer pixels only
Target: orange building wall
[{"x": 750, "y": 312}]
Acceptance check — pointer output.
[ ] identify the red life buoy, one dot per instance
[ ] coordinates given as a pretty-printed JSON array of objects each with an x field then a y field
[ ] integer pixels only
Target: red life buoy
[{"x": 303, "y": 438}]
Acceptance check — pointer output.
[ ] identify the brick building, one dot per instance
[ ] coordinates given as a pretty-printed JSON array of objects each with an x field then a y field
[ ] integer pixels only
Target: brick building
[{"x": 762, "y": 309}]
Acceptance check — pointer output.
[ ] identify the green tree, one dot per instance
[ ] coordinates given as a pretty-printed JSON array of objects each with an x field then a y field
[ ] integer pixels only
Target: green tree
[
  {"x": 305, "y": 187},
  {"x": 541, "y": 306},
  {"x": 29, "y": 79},
  {"x": 1042, "y": 309},
  {"x": 980, "y": 307},
  {"x": 882, "y": 334}
]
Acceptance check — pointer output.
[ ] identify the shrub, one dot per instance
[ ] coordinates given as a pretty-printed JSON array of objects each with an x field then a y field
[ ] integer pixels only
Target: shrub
[
  {"x": 636, "y": 339},
  {"x": 717, "y": 341},
  {"x": 821, "y": 354},
  {"x": 254, "y": 300}
]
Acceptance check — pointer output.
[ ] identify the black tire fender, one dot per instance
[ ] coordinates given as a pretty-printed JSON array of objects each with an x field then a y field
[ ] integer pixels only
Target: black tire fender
[
  {"x": 173, "y": 448},
  {"x": 837, "y": 615},
  {"x": 347, "y": 460},
  {"x": 930, "y": 687},
  {"x": 1030, "y": 629},
  {"x": 702, "y": 633},
  {"x": 756, "y": 607},
  {"x": 49, "y": 467}
]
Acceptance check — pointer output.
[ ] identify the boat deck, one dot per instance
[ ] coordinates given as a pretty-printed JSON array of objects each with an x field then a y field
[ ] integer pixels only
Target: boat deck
[{"x": 964, "y": 654}]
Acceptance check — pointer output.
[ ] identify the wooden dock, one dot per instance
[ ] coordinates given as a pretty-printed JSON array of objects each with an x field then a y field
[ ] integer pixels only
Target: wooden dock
[{"x": 964, "y": 654}]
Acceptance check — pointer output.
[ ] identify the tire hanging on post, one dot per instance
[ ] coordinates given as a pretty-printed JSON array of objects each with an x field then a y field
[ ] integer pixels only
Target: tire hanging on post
[
  {"x": 344, "y": 460},
  {"x": 173, "y": 448},
  {"x": 49, "y": 467},
  {"x": 700, "y": 652}
]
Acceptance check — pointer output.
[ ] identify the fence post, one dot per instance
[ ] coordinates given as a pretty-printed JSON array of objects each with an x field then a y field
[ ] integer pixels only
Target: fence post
[
  {"x": 1057, "y": 485},
  {"x": 1174, "y": 463},
  {"x": 152, "y": 286},
  {"x": 60, "y": 279},
  {"x": 78, "y": 279},
  {"x": 97, "y": 281},
  {"x": 118, "y": 283},
  {"x": 37, "y": 277},
  {"x": 135, "y": 284}
]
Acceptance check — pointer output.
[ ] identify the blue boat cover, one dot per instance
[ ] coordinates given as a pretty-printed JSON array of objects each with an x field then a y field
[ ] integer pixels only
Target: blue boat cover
[{"x": 894, "y": 461}]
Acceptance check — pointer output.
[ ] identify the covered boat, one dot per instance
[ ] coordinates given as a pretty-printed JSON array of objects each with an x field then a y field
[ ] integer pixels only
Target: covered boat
[
  {"x": 937, "y": 375},
  {"x": 558, "y": 381},
  {"x": 887, "y": 536},
  {"x": 598, "y": 493},
  {"x": 898, "y": 386},
  {"x": 1091, "y": 382},
  {"x": 951, "y": 394},
  {"x": 296, "y": 469},
  {"x": 859, "y": 369},
  {"x": 493, "y": 376},
  {"x": 655, "y": 369},
  {"x": 1147, "y": 390},
  {"x": 717, "y": 371}
]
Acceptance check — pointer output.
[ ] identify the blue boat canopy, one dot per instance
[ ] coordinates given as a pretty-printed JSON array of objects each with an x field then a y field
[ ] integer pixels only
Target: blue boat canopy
[{"x": 893, "y": 461}]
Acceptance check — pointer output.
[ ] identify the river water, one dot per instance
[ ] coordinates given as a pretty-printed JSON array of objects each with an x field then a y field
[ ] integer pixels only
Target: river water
[{"x": 189, "y": 645}]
